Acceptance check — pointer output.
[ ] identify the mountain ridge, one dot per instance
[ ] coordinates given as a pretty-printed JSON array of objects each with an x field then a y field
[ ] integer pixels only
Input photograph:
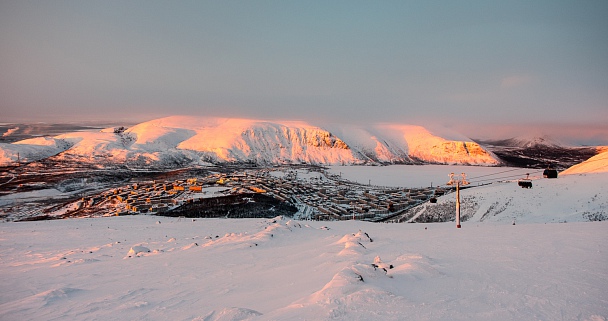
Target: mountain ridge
[
  {"x": 526, "y": 141},
  {"x": 187, "y": 139}
]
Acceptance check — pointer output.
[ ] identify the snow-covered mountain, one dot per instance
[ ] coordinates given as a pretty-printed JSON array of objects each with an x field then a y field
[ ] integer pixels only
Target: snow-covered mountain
[
  {"x": 179, "y": 140},
  {"x": 527, "y": 141},
  {"x": 537, "y": 151},
  {"x": 595, "y": 164}
]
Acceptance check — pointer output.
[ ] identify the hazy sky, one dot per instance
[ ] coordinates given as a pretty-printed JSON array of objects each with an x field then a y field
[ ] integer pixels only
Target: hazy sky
[{"x": 458, "y": 63}]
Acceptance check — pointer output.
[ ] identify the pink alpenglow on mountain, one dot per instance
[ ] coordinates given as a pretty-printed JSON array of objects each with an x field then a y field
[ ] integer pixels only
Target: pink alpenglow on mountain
[{"x": 195, "y": 140}]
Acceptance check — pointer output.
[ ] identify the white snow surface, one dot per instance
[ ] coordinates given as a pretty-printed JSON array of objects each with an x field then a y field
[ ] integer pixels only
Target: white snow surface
[
  {"x": 33, "y": 195},
  {"x": 150, "y": 268},
  {"x": 156, "y": 268},
  {"x": 595, "y": 164},
  {"x": 203, "y": 139}
]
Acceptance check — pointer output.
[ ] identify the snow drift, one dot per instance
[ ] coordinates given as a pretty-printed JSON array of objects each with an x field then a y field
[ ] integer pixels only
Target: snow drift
[{"x": 253, "y": 269}]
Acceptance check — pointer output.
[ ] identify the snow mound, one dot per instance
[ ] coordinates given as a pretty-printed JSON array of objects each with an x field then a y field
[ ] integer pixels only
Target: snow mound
[
  {"x": 42, "y": 300},
  {"x": 231, "y": 314},
  {"x": 353, "y": 293},
  {"x": 353, "y": 243},
  {"x": 136, "y": 250},
  {"x": 381, "y": 265}
]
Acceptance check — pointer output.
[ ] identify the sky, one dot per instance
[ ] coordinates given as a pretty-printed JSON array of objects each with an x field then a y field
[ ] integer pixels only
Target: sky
[{"x": 485, "y": 68}]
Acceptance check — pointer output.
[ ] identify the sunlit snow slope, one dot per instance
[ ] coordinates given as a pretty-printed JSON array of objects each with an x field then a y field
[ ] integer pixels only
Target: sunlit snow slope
[
  {"x": 595, "y": 164},
  {"x": 179, "y": 140}
]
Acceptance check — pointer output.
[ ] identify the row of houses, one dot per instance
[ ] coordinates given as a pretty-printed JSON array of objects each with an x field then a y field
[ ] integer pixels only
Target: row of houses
[
  {"x": 334, "y": 200},
  {"x": 329, "y": 199}
]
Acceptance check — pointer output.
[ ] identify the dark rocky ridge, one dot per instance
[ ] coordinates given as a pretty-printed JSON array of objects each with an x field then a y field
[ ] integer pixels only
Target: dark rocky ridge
[{"x": 538, "y": 155}]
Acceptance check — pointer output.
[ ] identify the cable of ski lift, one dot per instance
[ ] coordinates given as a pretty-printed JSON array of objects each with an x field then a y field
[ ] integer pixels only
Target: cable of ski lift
[
  {"x": 498, "y": 179},
  {"x": 510, "y": 170},
  {"x": 524, "y": 183}
]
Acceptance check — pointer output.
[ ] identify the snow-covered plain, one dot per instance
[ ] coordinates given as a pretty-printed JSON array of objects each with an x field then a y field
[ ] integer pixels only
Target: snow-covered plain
[{"x": 155, "y": 268}]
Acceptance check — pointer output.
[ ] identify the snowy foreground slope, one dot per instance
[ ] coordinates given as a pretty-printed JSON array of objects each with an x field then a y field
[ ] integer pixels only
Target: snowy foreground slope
[
  {"x": 156, "y": 268},
  {"x": 179, "y": 140},
  {"x": 254, "y": 269}
]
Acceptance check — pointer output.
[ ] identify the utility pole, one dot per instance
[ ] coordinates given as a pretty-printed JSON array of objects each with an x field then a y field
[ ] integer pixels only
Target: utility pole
[{"x": 462, "y": 180}]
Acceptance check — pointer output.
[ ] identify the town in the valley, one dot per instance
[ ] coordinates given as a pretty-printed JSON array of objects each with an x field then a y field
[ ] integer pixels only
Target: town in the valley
[{"x": 301, "y": 192}]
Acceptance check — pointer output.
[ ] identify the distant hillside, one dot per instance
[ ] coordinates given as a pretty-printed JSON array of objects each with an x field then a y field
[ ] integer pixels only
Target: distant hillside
[
  {"x": 537, "y": 152},
  {"x": 595, "y": 164},
  {"x": 527, "y": 142},
  {"x": 179, "y": 140}
]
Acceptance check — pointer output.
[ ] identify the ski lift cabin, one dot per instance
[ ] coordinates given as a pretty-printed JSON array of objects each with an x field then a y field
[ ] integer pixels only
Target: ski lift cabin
[
  {"x": 550, "y": 172},
  {"x": 438, "y": 192},
  {"x": 525, "y": 183}
]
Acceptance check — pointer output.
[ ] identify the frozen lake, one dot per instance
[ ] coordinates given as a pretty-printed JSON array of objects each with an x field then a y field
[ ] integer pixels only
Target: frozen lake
[{"x": 427, "y": 175}]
